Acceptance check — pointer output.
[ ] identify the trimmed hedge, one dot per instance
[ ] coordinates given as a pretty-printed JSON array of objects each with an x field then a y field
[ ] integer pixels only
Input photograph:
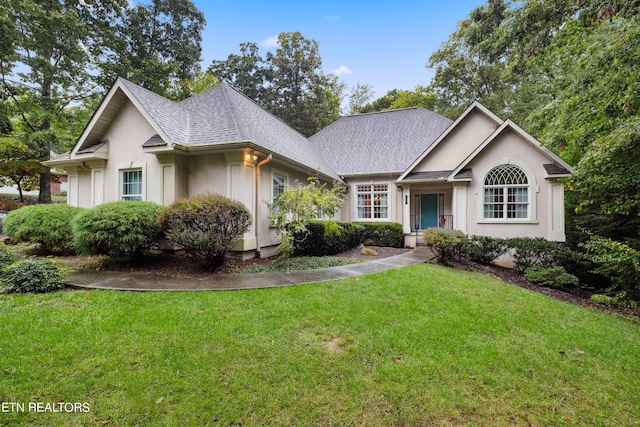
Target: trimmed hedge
[
  {"x": 485, "y": 249},
  {"x": 123, "y": 229},
  {"x": 48, "y": 225},
  {"x": 205, "y": 226},
  {"x": 327, "y": 238},
  {"x": 386, "y": 234}
]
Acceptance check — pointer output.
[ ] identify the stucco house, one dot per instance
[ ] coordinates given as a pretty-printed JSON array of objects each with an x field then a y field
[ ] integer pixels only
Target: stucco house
[{"x": 479, "y": 174}]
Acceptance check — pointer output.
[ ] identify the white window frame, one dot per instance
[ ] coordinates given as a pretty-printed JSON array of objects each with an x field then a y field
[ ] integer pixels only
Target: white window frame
[
  {"x": 532, "y": 190},
  {"x": 132, "y": 196},
  {"x": 278, "y": 174},
  {"x": 372, "y": 192}
]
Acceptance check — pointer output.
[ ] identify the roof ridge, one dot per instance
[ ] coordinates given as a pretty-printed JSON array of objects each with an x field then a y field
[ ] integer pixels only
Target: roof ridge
[
  {"x": 230, "y": 106},
  {"x": 389, "y": 111}
]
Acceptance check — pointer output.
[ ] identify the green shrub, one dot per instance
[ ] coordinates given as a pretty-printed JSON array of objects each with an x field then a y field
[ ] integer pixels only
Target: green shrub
[
  {"x": 48, "y": 225},
  {"x": 326, "y": 238},
  {"x": 387, "y": 234},
  {"x": 485, "y": 249},
  {"x": 368, "y": 252},
  {"x": 618, "y": 262},
  {"x": 445, "y": 243},
  {"x": 30, "y": 275},
  {"x": 205, "y": 226},
  {"x": 529, "y": 251},
  {"x": 6, "y": 258},
  {"x": 122, "y": 230},
  {"x": 553, "y": 277}
]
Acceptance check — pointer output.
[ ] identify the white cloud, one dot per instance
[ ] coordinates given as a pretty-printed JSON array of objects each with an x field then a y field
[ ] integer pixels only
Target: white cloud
[
  {"x": 343, "y": 70},
  {"x": 332, "y": 18},
  {"x": 270, "y": 42}
]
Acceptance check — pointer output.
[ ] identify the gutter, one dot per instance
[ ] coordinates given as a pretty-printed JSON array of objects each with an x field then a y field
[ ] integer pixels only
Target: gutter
[{"x": 256, "y": 207}]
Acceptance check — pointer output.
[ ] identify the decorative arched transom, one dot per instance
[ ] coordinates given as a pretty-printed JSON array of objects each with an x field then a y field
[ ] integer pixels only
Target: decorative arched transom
[{"x": 506, "y": 193}]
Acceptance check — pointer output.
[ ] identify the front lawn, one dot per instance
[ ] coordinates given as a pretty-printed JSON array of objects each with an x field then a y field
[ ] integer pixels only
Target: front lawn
[{"x": 422, "y": 345}]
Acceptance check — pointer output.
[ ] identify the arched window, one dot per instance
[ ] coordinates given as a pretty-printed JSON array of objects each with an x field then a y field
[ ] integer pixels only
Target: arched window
[{"x": 506, "y": 193}]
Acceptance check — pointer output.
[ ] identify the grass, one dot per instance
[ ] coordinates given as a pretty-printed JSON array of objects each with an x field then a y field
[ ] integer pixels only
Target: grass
[
  {"x": 297, "y": 263},
  {"x": 422, "y": 345}
]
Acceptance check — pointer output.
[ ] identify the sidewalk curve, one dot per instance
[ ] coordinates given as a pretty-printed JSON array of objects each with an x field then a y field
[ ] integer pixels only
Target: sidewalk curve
[{"x": 125, "y": 281}]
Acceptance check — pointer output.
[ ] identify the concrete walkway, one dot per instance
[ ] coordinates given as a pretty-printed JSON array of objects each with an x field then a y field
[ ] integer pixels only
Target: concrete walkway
[{"x": 124, "y": 281}]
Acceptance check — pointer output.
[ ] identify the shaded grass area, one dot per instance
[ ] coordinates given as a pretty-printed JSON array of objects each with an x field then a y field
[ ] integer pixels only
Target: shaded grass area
[
  {"x": 297, "y": 263},
  {"x": 422, "y": 345}
]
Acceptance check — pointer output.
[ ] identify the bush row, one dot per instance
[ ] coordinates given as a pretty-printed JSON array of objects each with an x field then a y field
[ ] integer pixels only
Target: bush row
[
  {"x": 333, "y": 237},
  {"x": 204, "y": 226},
  {"x": 604, "y": 265}
]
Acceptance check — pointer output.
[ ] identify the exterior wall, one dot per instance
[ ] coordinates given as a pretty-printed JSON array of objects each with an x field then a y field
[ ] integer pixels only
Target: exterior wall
[
  {"x": 126, "y": 136},
  {"x": 509, "y": 148},
  {"x": 206, "y": 173},
  {"x": 459, "y": 144},
  {"x": 83, "y": 197}
]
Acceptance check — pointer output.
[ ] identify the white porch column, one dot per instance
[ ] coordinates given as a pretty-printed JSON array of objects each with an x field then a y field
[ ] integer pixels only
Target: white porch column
[
  {"x": 406, "y": 208},
  {"x": 460, "y": 206}
]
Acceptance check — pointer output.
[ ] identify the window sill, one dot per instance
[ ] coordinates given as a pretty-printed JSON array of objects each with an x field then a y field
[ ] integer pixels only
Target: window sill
[{"x": 507, "y": 221}]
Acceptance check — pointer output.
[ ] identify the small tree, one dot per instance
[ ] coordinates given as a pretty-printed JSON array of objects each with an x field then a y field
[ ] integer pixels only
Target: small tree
[
  {"x": 19, "y": 166},
  {"x": 293, "y": 209},
  {"x": 205, "y": 226}
]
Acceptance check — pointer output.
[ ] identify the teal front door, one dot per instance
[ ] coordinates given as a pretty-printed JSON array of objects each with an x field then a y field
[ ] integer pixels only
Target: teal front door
[{"x": 428, "y": 210}]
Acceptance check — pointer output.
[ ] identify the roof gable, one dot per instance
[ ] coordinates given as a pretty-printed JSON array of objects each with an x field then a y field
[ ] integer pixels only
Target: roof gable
[
  {"x": 475, "y": 107},
  {"x": 381, "y": 142},
  {"x": 558, "y": 167}
]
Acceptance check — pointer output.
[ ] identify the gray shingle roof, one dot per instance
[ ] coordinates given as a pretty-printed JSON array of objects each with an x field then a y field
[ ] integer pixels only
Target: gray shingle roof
[
  {"x": 387, "y": 141},
  {"x": 553, "y": 169},
  {"x": 222, "y": 115}
]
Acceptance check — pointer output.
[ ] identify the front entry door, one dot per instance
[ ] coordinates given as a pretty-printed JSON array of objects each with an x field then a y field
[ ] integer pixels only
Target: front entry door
[{"x": 428, "y": 211}]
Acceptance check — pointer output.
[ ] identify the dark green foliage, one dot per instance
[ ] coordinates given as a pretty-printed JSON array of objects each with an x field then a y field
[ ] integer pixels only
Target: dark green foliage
[
  {"x": 36, "y": 276},
  {"x": 6, "y": 258},
  {"x": 326, "y": 238},
  {"x": 205, "y": 226},
  {"x": 619, "y": 263},
  {"x": 445, "y": 243},
  {"x": 527, "y": 252},
  {"x": 123, "y": 229},
  {"x": 49, "y": 225},
  {"x": 553, "y": 277},
  {"x": 387, "y": 234},
  {"x": 485, "y": 249}
]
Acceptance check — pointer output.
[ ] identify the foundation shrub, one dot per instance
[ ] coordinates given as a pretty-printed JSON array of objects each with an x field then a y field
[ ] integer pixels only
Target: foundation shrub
[
  {"x": 445, "y": 243},
  {"x": 326, "y": 238},
  {"x": 530, "y": 251},
  {"x": 552, "y": 277},
  {"x": 37, "y": 276},
  {"x": 386, "y": 234},
  {"x": 485, "y": 249},
  {"x": 121, "y": 230},
  {"x": 205, "y": 226},
  {"x": 48, "y": 225}
]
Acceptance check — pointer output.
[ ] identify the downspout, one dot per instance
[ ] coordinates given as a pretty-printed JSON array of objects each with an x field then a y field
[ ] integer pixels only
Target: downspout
[{"x": 256, "y": 207}]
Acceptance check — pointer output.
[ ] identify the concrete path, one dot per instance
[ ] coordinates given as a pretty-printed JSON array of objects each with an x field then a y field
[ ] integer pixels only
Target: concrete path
[{"x": 124, "y": 281}]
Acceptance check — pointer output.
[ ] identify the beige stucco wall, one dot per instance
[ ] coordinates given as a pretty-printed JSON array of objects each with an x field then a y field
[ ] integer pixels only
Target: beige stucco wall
[
  {"x": 459, "y": 143},
  {"x": 546, "y": 198}
]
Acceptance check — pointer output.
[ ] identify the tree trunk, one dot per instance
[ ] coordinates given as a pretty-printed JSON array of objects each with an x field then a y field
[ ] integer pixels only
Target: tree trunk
[{"x": 45, "y": 186}]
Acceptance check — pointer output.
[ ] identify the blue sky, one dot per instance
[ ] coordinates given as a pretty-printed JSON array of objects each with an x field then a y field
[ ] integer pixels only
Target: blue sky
[{"x": 383, "y": 43}]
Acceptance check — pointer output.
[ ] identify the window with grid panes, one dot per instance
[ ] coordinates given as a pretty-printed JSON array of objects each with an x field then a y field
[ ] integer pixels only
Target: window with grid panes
[
  {"x": 131, "y": 184},
  {"x": 373, "y": 201},
  {"x": 506, "y": 193}
]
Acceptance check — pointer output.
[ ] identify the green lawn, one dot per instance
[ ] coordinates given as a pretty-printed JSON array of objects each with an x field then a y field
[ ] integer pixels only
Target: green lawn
[{"x": 423, "y": 345}]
